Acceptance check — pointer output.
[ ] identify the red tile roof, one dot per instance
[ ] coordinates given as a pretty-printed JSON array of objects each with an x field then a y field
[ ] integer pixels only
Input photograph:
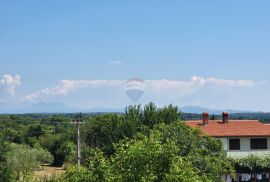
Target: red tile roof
[{"x": 234, "y": 128}]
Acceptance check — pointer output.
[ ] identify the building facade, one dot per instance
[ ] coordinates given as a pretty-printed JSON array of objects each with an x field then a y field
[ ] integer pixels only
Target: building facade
[{"x": 239, "y": 137}]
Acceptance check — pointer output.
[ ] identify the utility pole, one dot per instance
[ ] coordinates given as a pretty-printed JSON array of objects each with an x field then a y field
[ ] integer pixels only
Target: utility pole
[
  {"x": 78, "y": 122},
  {"x": 78, "y": 140}
]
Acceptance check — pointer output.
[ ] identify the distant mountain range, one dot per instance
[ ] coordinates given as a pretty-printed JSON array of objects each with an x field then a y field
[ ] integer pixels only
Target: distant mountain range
[
  {"x": 44, "y": 107},
  {"x": 199, "y": 110}
]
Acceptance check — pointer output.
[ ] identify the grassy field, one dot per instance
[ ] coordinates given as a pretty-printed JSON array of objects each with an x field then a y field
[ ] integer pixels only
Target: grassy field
[{"x": 49, "y": 172}]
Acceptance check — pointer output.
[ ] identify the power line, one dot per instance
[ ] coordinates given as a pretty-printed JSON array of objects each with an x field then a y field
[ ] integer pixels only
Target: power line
[{"x": 78, "y": 122}]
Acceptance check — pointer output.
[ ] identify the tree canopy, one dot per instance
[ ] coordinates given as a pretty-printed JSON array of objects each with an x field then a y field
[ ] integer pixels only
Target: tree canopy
[{"x": 143, "y": 144}]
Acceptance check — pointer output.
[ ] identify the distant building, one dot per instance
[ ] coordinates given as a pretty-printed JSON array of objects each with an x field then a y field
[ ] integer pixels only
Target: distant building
[{"x": 239, "y": 137}]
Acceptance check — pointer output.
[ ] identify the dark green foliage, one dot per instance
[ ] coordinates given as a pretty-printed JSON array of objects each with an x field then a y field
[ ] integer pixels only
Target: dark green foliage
[
  {"x": 168, "y": 114},
  {"x": 40, "y": 132},
  {"x": 102, "y": 131},
  {"x": 20, "y": 160},
  {"x": 252, "y": 163},
  {"x": 143, "y": 144},
  {"x": 35, "y": 131},
  {"x": 150, "y": 115},
  {"x": 205, "y": 153},
  {"x": 172, "y": 152}
]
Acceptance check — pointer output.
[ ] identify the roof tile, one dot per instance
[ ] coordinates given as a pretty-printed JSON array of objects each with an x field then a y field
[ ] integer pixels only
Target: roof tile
[{"x": 234, "y": 128}]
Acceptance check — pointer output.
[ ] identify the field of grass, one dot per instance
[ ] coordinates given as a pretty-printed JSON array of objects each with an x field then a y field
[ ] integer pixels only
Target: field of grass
[{"x": 49, "y": 172}]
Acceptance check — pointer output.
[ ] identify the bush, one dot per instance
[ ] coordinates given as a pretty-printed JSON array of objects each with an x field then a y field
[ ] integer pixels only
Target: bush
[
  {"x": 21, "y": 160},
  {"x": 172, "y": 152}
]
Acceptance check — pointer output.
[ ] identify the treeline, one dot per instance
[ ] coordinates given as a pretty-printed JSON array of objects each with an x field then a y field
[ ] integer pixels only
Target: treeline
[
  {"x": 143, "y": 144},
  {"x": 264, "y": 117}
]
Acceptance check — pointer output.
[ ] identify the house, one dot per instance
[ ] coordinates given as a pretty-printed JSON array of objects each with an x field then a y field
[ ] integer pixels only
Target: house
[{"x": 239, "y": 137}]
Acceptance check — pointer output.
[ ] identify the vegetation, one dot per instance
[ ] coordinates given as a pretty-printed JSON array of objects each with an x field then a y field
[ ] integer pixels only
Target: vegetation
[
  {"x": 143, "y": 144},
  {"x": 172, "y": 152},
  {"x": 27, "y": 143},
  {"x": 21, "y": 160},
  {"x": 252, "y": 163}
]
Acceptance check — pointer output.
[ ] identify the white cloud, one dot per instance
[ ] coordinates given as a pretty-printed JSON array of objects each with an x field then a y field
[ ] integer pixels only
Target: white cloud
[
  {"x": 9, "y": 83},
  {"x": 230, "y": 83},
  {"x": 172, "y": 89},
  {"x": 114, "y": 63},
  {"x": 67, "y": 86},
  {"x": 190, "y": 86}
]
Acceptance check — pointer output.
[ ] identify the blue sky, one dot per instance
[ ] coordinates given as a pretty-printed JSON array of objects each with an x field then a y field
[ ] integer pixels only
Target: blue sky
[{"x": 44, "y": 42}]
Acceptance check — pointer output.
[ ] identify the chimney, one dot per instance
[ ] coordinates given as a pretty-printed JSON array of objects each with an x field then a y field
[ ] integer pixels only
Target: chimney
[
  {"x": 225, "y": 117},
  {"x": 205, "y": 118}
]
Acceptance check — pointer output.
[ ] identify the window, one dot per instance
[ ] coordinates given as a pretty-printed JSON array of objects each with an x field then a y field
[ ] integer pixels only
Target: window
[
  {"x": 258, "y": 143},
  {"x": 234, "y": 144}
]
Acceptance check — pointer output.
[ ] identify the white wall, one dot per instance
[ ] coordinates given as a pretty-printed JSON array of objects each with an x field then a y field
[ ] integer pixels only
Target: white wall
[
  {"x": 244, "y": 147},
  {"x": 239, "y": 153}
]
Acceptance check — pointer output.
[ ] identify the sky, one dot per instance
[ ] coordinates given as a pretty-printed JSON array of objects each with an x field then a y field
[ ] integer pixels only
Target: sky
[{"x": 213, "y": 54}]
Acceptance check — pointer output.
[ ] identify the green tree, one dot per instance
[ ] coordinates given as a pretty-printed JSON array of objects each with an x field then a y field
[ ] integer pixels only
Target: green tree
[
  {"x": 21, "y": 160},
  {"x": 168, "y": 114},
  {"x": 150, "y": 117},
  {"x": 68, "y": 150},
  {"x": 35, "y": 131},
  {"x": 172, "y": 152},
  {"x": 148, "y": 159}
]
